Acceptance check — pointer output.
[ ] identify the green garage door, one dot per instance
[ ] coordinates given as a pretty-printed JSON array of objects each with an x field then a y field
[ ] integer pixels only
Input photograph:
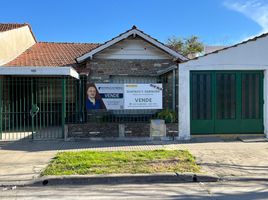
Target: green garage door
[{"x": 226, "y": 102}]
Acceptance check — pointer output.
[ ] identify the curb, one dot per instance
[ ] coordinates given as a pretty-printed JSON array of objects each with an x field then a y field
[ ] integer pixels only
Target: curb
[
  {"x": 116, "y": 179},
  {"x": 128, "y": 179},
  {"x": 15, "y": 183},
  {"x": 124, "y": 179},
  {"x": 244, "y": 178}
]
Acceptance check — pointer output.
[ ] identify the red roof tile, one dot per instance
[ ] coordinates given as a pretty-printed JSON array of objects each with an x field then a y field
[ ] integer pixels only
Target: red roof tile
[
  {"x": 7, "y": 27},
  {"x": 52, "y": 54}
]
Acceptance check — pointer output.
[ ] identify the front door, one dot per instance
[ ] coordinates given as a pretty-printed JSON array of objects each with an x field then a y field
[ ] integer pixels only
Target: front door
[{"x": 227, "y": 102}]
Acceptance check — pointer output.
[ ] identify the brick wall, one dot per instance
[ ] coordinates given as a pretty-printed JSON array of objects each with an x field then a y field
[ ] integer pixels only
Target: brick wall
[
  {"x": 102, "y": 130},
  {"x": 101, "y": 70},
  {"x": 93, "y": 129}
]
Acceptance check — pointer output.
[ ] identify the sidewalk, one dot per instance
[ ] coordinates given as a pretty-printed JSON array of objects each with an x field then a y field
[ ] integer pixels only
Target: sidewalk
[
  {"x": 24, "y": 160},
  {"x": 232, "y": 158}
]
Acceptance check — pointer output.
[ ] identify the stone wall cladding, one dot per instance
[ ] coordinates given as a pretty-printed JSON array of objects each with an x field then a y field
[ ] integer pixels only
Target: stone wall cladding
[
  {"x": 102, "y": 130},
  {"x": 93, "y": 129},
  {"x": 172, "y": 129},
  {"x": 137, "y": 130},
  {"x": 101, "y": 69}
]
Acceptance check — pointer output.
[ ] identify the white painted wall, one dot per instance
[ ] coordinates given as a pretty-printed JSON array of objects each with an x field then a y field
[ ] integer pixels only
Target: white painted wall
[
  {"x": 39, "y": 71},
  {"x": 14, "y": 42},
  {"x": 133, "y": 33},
  {"x": 249, "y": 56},
  {"x": 132, "y": 48}
]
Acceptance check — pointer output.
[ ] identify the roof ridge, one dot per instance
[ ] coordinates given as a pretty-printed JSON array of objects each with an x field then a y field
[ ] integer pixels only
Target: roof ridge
[
  {"x": 67, "y": 42},
  {"x": 133, "y": 28},
  {"x": 12, "y": 26},
  {"x": 15, "y": 23}
]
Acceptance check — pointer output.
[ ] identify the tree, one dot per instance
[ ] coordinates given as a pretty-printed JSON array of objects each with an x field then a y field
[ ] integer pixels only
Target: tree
[{"x": 186, "y": 46}]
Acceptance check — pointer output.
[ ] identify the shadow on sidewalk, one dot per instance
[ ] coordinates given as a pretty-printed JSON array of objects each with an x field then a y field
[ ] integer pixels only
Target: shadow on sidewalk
[{"x": 51, "y": 145}]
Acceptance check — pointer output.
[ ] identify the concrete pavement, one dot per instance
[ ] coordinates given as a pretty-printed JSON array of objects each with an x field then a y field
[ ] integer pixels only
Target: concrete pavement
[
  {"x": 232, "y": 158},
  {"x": 24, "y": 160},
  {"x": 186, "y": 191},
  {"x": 22, "y": 163}
]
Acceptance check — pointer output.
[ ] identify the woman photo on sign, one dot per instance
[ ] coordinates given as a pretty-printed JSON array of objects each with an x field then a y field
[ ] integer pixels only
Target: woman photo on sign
[{"x": 93, "y": 101}]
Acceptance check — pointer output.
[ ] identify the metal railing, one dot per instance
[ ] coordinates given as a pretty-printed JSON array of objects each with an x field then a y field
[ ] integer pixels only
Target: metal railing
[
  {"x": 59, "y": 101},
  {"x": 19, "y": 95}
]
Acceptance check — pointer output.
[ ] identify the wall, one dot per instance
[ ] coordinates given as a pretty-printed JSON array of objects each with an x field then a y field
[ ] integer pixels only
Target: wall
[
  {"x": 167, "y": 80},
  {"x": 101, "y": 69},
  {"x": 102, "y": 130},
  {"x": 248, "y": 56},
  {"x": 133, "y": 71},
  {"x": 14, "y": 42},
  {"x": 133, "y": 48},
  {"x": 130, "y": 60}
]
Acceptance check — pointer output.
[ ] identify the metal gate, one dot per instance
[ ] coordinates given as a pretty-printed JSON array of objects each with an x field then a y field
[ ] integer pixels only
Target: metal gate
[
  {"x": 227, "y": 102},
  {"x": 31, "y": 108}
]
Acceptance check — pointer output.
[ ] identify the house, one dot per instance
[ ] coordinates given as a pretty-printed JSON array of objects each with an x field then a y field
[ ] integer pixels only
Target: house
[
  {"x": 14, "y": 40},
  {"x": 45, "y": 85},
  {"x": 225, "y": 91}
]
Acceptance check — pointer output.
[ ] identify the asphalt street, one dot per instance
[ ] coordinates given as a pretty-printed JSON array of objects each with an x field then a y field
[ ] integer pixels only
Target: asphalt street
[{"x": 243, "y": 190}]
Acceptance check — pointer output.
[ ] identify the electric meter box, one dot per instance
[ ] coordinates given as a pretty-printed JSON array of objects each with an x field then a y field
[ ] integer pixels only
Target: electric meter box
[{"x": 157, "y": 128}]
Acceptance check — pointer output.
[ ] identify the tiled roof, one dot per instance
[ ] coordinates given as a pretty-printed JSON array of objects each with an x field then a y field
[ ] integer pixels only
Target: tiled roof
[
  {"x": 6, "y": 27},
  {"x": 52, "y": 54}
]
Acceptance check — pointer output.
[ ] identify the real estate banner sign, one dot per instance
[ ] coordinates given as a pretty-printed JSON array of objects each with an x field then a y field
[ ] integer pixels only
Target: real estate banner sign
[
  {"x": 112, "y": 95},
  {"x": 143, "y": 96},
  {"x": 124, "y": 96}
]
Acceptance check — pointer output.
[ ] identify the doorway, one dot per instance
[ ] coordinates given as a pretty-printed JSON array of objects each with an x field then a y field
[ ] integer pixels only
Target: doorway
[{"x": 226, "y": 102}]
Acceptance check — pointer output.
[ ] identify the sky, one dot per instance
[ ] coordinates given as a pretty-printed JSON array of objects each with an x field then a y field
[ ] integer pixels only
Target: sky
[{"x": 215, "y": 22}]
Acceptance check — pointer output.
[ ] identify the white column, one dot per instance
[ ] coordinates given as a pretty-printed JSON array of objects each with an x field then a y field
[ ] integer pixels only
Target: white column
[
  {"x": 265, "y": 106},
  {"x": 184, "y": 103}
]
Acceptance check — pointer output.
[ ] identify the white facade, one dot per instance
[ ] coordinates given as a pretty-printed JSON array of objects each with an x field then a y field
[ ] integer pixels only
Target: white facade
[
  {"x": 132, "y": 48},
  {"x": 134, "y": 32},
  {"x": 251, "y": 55},
  {"x": 39, "y": 71}
]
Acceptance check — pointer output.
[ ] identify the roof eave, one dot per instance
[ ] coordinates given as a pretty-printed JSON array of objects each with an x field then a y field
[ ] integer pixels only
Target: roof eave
[
  {"x": 167, "y": 70},
  {"x": 135, "y": 31},
  {"x": 39, "y": 71}
]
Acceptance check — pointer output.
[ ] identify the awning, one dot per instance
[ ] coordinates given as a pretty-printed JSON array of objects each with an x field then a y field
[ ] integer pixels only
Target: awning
[{"x": 39, "y": 71}]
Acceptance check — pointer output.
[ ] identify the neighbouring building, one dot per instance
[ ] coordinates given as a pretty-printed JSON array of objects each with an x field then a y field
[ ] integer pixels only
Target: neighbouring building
[
  {"x": 208, "y": 49},
  {"x": 14, "y": 40},
  {"x": 225, "y": 92}
]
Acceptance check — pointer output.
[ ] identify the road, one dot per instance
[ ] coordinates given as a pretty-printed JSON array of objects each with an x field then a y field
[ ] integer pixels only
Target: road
[{"x": 246, "y": 190}]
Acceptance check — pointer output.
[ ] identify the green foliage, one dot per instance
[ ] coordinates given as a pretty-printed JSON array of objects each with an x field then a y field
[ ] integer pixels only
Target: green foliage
[
  {"x": 168, "y": 115},
  {"x": 186, "y": 46},
  {"x": 114, "y": 162}
]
